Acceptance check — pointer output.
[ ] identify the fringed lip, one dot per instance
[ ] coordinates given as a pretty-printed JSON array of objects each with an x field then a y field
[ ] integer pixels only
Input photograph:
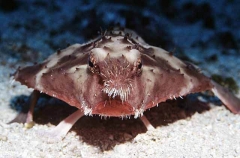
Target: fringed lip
[{"x": 114, "y": 108}]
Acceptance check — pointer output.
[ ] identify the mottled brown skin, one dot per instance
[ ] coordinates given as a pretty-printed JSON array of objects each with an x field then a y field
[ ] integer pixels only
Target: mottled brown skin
[{"x": 117, "y": 74}]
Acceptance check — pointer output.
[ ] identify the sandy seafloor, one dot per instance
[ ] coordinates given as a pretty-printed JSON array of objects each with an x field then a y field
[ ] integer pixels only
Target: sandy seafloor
[{"x": 206, "y": 33}]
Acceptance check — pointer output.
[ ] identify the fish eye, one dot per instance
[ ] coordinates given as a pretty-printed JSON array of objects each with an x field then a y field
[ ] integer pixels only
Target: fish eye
[
  {"x": 93, "y": 67},
  {"x": 140, "y": 65},
  {"x": 90, "y": 63}
]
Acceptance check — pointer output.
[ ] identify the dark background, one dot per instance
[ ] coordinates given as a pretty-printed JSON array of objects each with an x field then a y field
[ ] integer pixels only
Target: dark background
[{"x": 47, "y": 25}]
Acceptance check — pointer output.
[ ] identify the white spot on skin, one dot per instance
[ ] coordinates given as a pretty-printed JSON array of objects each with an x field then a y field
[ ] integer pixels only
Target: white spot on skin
[
  {"x": 52, "y": 61},
  {"x": 99, "y": 54},
  {"x": 173, "y": 61},
  {"x": 186, "y": 89},
  {"x": 80, "y": 67},
  {"x": 132, "y": 56}
]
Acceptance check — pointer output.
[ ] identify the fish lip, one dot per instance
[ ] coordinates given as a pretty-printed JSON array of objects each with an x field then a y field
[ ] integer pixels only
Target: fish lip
[{"x": 113, "y": 108}]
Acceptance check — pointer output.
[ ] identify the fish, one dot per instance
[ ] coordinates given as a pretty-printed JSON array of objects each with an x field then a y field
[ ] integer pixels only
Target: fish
[{"x": 118, "y": 75}]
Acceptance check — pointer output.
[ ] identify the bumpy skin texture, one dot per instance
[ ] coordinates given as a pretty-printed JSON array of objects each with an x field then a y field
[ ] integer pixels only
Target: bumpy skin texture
[{"x": 117, "y": 74}]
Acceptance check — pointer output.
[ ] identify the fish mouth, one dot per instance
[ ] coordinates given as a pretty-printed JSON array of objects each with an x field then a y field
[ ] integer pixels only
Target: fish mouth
[{"x": 114, "y": 108}]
